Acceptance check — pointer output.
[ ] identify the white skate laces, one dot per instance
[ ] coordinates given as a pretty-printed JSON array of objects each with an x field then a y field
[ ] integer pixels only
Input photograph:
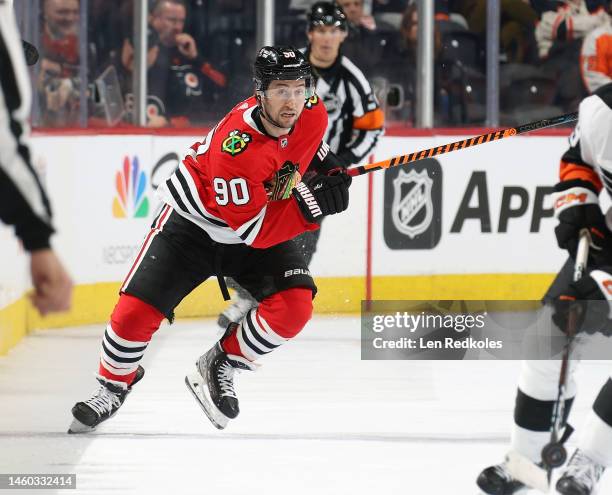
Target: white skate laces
[
  {"x": 225, "y": 375},
  {"x": 103, "y": 401}
]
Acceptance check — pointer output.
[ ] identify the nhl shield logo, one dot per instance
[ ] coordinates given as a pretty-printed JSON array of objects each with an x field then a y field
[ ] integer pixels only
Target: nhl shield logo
[{"x": 412, "y": 207}]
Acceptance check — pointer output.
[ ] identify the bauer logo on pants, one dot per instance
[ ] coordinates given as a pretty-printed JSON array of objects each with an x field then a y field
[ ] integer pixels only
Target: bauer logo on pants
[{"x": 413, "y": 206}]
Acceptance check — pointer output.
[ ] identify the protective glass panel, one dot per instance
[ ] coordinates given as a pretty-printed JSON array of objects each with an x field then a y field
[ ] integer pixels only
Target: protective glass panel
[
  {"x": 199, "y": 55},
  {"x": 54, "y": 27}
]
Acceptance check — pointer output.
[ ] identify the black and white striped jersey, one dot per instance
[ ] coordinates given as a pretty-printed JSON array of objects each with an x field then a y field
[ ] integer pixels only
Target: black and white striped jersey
[
  {"x": 23, "y": 202},
  {"x": 355, "y": 120}
]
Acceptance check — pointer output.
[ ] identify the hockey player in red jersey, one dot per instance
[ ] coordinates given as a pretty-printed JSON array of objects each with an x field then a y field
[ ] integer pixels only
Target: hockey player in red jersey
[
  {"x": 231, "y": 208},
  {"x": 586, "y": 168},
  {"x": 355, "y": 119}
]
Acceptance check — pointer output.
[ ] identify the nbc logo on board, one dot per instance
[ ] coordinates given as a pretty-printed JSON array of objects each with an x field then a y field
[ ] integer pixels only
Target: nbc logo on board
[{"x": 131, "y": 183}]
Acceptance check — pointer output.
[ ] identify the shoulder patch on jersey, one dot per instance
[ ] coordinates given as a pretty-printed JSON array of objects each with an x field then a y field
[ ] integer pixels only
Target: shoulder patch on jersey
[
  {"x": 236, "y": 142},
  {"x": 312, "y": 101}
]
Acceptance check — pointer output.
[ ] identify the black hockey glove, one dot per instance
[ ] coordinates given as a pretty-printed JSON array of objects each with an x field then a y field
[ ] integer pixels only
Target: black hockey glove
[
  {"x": 577, "y": 208},
  {"x": 591, "y": 298},
  {"x": 323, "y": 195}
]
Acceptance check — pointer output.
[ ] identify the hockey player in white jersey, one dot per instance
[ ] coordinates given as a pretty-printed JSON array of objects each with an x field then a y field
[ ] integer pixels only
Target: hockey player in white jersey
[{"x": 586, "y": 168}]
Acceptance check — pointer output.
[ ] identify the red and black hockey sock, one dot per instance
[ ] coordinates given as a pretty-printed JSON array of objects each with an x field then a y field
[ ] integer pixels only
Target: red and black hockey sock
[
  {"x": 278, "y": 318},
  {"x": 126, "y": 338}
]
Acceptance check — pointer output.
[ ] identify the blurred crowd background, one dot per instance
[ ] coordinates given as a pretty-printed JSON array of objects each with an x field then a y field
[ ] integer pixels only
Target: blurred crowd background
[{"x": 199, "y": 55}]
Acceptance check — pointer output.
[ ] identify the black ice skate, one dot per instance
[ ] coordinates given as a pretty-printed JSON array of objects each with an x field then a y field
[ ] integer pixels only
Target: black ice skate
[
  {"x": 104, "y": 403},
  {"x": 213, "y": 383},
  {"x": 496, "y": 480},
  {"x": 581, "y": 475}
]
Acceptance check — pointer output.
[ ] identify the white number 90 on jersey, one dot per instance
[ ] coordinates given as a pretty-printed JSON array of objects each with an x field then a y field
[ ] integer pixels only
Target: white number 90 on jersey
[{"x": 235, "y": 191}]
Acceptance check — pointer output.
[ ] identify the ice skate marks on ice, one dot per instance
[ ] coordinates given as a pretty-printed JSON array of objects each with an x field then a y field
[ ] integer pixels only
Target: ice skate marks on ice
[{"x": 198, "y": 387}]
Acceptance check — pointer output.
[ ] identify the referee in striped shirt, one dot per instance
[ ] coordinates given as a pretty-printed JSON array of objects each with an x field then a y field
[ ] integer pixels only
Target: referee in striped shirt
[
  {"x": 355, "y": 120},
  {"x": 23, "y": 201}
]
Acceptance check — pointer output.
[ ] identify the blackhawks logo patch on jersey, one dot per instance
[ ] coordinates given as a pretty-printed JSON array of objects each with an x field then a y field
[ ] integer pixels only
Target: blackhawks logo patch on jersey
[
  {"x": 284, "y": 180},
  {"x": 312, "y": 101},
  {"x": 236, "y": 142}
]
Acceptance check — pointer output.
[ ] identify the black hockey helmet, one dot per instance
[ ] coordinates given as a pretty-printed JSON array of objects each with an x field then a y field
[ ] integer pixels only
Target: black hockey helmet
[
  {"x": 274, "y": 63},
  {"x": 327, "y": 14}
]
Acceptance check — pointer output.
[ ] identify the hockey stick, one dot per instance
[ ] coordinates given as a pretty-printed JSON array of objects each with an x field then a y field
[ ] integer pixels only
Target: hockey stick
[
  {"x": 554, "y": 453},
  {"x": 459, "y": 145}
]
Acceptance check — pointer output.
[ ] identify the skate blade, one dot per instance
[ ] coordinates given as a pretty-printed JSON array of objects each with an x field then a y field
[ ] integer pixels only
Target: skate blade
[
  {"x": 195, "y": 384},
  {"x": 77, "y": 427},
  {"x": 525, "y": 471}
]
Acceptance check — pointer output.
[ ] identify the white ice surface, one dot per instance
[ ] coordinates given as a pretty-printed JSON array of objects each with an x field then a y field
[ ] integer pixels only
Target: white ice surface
[{"x": 315, "y": 418}]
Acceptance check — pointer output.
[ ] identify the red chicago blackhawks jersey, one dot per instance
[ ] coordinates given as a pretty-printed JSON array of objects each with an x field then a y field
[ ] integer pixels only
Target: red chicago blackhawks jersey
[{"x": 230, "y": 183}]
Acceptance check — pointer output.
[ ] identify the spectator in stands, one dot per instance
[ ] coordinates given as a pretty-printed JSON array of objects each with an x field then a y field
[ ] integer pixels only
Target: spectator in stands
[
  {"x": 366, "y": 38},
  {"x": 58, "y": 84},
  {"x": 355, "y": 14},
  {"x": 560, "y": 32},
  {"x": 183, "y": 86},
  {"x": 562, "y": 22},
  {"x": 596, "y": 57}
]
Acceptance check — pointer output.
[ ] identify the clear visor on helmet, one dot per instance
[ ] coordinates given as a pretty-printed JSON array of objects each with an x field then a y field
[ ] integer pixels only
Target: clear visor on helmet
[{"x": 286, "y": 92}]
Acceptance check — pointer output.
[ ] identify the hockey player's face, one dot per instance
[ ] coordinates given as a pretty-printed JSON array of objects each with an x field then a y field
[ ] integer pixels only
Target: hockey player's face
[
  {"x": 325, "y": 43},
  {"x": 284, "y": 101}
]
